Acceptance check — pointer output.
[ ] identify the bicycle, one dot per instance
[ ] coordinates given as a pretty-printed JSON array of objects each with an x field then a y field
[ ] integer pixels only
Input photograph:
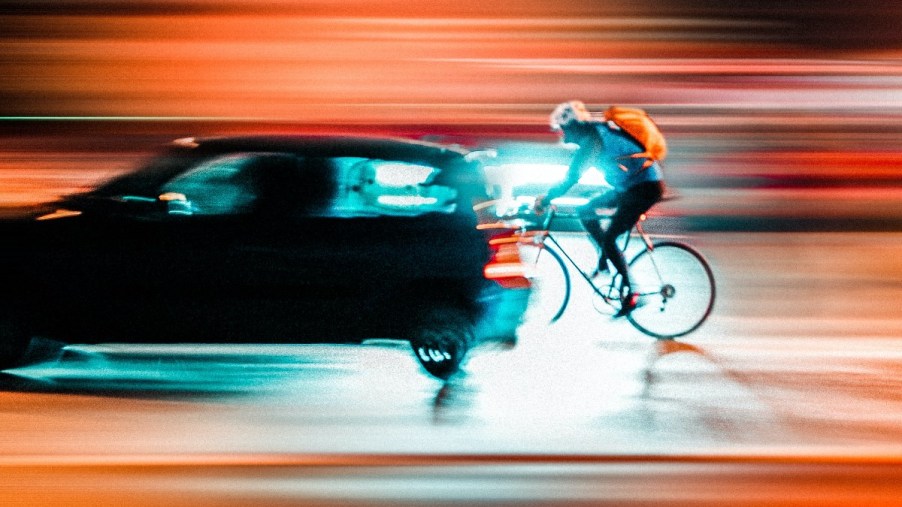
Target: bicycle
[{"x": 674, "y": 281}]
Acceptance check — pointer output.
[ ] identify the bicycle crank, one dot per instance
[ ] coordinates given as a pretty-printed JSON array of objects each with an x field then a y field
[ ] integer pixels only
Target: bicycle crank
[{"x": 667, "y": 292}]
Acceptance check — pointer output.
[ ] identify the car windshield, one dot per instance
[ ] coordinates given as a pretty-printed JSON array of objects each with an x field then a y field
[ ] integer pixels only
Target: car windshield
[
  {"x": 222, "y": 186},
  {"x": 149, "y": 178}
]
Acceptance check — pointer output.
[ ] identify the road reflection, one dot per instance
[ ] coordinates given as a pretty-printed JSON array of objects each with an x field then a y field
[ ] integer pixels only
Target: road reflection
[
  {"x": 662, "y": 349},
  {"x": 762, "y": 372},
  {"x": 171, "y": 372}
]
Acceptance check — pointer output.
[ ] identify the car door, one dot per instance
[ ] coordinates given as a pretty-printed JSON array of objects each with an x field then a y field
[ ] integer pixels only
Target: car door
[
  {"x": 290, "y": 270},
  {"x": 209, "y": 210},
  {"x": 119, "y": 270},
  {"x": 333, "y": 245},
  {"x": 154, "y": 267}
]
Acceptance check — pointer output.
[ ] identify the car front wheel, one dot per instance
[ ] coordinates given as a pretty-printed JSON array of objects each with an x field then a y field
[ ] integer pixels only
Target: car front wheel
[{"x": 440, "y": 338}]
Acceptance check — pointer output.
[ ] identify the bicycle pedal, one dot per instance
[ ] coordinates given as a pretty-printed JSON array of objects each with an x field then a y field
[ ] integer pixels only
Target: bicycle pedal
[{"x": 629, "y": 304}]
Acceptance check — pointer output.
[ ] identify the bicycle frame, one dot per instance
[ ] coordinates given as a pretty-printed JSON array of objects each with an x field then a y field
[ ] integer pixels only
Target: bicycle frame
[
  {"x": 675, "y": 301},
  {"x": 545, "y": 233}
]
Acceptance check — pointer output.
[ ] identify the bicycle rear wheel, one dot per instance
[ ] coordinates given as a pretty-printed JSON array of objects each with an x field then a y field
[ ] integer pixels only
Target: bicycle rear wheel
[
  {"x": 676, "y": 289},
  {"x": 550, "y": 286}
]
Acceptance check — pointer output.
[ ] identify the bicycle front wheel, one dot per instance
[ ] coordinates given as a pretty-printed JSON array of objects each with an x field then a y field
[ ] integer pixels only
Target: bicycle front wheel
[
  {"x": 550, "y": 281},
  {"x": 676, "y": 290}
]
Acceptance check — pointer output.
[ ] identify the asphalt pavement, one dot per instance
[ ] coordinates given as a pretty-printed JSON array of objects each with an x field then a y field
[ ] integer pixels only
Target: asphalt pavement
[{"x": 787, "y": 396}]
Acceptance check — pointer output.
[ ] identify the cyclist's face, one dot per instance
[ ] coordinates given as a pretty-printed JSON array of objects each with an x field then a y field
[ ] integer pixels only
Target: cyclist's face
[{"x": 570, "y": 134}]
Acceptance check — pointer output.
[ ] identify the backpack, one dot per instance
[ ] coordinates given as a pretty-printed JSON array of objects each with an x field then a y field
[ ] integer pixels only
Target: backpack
[{"x": 642, "y": 129}]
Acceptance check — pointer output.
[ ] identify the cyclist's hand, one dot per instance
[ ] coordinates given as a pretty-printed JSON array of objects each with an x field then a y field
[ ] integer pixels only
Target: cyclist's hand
[{"x": 540, "y": 205}]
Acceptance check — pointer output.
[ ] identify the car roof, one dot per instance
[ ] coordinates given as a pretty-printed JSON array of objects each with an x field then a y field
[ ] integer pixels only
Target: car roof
[
  {"x": 328, "y": 146},
  {"x": 183, "y": 151}
]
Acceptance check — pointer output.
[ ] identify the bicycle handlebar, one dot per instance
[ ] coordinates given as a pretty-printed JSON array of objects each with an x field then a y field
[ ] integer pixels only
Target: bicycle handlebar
[
  {"x": 549, "y": 214},
  {"x": 533, "y": 221},
  {"x": 524, "y": 216}
]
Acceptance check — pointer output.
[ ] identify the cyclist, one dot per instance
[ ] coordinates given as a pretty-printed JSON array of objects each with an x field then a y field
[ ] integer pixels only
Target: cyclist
[{"x": 636, "y": 184}]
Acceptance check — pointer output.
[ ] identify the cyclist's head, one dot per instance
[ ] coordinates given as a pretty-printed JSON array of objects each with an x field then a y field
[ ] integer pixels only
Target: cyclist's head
[{"x": 568, "y": 113}]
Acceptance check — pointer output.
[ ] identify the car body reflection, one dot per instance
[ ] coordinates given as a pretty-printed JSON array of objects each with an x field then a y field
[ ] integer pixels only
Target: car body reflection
[{"x": 268, "y": 239}]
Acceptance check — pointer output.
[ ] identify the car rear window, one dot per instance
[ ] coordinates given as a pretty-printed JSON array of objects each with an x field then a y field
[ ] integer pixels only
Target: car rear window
[{"x": 374, "y": 187}]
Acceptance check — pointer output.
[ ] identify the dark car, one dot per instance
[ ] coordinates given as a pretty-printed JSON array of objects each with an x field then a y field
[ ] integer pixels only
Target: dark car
[{"x": 269, "y": 239}]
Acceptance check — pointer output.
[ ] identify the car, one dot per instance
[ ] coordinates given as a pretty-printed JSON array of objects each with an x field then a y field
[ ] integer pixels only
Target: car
[{"x": 269, "y": 239}]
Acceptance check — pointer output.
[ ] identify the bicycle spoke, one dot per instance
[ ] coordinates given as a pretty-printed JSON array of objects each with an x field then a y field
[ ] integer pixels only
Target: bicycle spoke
[
  {"x": 676, "y": 287},
  {"x": 674, "y": 282}
]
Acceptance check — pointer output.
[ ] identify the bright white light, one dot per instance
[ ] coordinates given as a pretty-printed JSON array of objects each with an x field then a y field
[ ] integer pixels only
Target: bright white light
[
  {"x": 549, "y": 174},
  {"x": 392, "y": 174},
  {"x": 594, "y": 177},
  {"x": 518, "y": 174},
  {"x": 406, "y": 200},
  {"x": 570, "y": 201}
]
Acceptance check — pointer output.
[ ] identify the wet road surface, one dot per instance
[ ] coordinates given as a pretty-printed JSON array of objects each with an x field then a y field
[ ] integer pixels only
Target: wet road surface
[{"x": 789, "y": 395}]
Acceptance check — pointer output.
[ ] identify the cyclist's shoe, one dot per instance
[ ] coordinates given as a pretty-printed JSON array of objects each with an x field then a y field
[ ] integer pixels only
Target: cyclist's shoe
[{"x": 628, "y": 303}]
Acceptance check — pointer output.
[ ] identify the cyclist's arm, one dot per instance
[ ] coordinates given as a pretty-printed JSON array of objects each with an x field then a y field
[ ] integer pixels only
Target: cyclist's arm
[{"x": 583, "y": 160}]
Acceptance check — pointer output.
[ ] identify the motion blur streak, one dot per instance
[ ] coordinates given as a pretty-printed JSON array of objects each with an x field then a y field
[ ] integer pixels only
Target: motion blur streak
[
  {"x": 753, "y": 97},
  {"x": 445, "y": 62},
  {"x": 788, "y": 113}
]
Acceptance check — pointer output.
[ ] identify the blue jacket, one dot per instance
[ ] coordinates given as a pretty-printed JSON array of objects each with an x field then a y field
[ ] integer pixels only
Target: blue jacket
[{"x": 610, "y": 152}]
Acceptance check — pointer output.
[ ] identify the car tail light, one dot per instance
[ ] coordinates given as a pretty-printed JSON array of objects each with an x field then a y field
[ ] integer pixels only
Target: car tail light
[{"x": 505, "y": 265}]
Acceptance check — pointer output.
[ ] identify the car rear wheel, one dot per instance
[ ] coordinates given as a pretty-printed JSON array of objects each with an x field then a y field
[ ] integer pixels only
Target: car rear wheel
[{"x": 440, "y": 338}]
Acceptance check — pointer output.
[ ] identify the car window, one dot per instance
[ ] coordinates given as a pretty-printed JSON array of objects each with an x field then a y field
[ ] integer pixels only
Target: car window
[
  {"x": 147, "y": 179},
  {"x": 221, "y": 186},
  {"x": 372, "y": 187}
]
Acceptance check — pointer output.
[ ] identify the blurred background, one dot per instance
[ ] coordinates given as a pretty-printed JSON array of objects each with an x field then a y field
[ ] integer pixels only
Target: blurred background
[{"x": 779, "y": 114}]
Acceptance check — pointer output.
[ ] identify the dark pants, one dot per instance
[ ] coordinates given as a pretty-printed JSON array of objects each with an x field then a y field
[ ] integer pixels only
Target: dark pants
[{"x": 629, "y": 206}]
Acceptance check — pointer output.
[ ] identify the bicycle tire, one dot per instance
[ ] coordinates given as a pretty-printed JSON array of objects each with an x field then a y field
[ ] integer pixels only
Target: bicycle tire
[
  {"x": 551, "y": 285},
  {"x": 676, "y": 288}
]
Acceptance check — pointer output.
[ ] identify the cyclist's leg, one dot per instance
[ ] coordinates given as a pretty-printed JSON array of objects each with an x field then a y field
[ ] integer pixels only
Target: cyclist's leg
[
  {"x": 588, "y": 217},
  {"x": 633, "y": 203}
]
